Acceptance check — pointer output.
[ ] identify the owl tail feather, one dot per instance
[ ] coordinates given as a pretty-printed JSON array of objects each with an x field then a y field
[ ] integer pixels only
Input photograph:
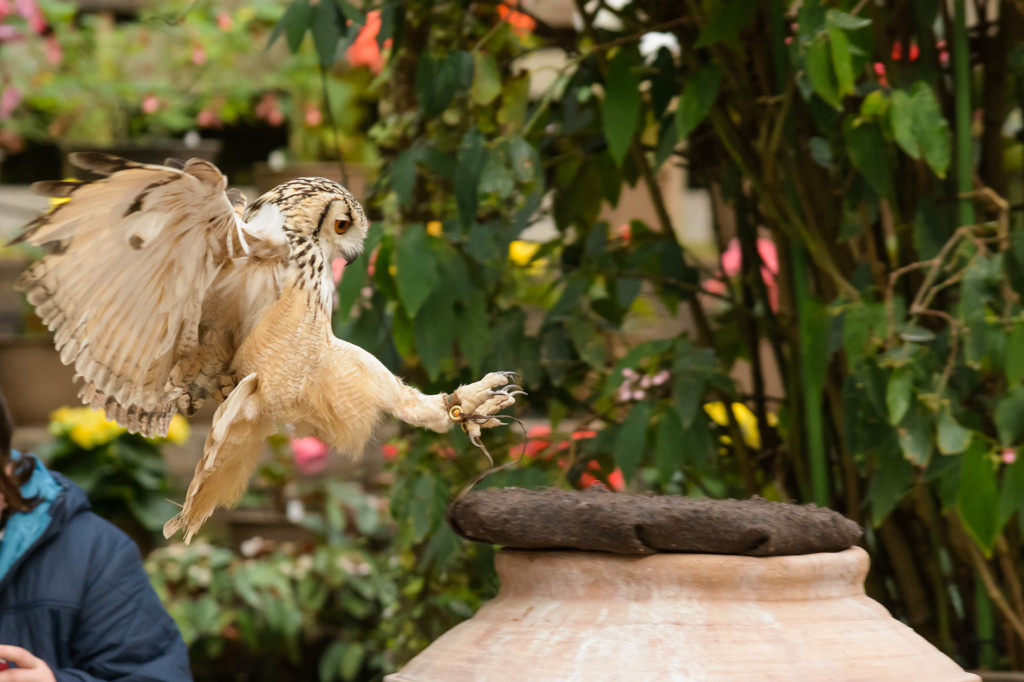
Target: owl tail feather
[{"x": 229, "y": 457}]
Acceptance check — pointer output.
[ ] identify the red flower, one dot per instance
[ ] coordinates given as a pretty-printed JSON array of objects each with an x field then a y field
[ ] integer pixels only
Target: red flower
[
  {"x": 389, "y": 451},
  {"x": 522, "y": 24},
  {"x": 537, "y": 441},
  {"x": 364, "y": 50},
  {"x": 616, "y": 480}
]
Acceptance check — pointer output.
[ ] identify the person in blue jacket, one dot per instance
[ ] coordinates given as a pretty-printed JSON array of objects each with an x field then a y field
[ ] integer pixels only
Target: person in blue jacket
[{"x": 75, "y": 601}]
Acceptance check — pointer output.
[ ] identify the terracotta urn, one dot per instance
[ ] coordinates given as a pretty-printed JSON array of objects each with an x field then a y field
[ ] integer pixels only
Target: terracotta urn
[{"x": 593, "y": 616}]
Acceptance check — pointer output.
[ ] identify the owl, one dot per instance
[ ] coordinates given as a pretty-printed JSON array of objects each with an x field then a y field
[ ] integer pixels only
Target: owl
[{"x": 163, "y": 290}]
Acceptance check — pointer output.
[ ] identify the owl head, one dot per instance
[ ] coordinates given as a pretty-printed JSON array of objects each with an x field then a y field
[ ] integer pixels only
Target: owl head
[{"x": 317, "y": 212}]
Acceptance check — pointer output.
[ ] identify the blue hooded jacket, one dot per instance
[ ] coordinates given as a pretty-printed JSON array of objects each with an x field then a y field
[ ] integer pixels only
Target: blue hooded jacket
[{"x": 74, "y": 593}]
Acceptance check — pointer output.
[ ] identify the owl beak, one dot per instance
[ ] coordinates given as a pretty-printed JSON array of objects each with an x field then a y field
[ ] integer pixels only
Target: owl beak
[{"x": 349, "y": 260}]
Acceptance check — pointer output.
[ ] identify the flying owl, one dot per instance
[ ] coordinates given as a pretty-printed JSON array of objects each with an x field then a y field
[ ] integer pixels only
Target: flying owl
[{"x": 163, "y": 290}]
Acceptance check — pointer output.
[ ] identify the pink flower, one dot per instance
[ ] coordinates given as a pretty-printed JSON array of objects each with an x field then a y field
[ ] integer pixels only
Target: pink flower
[
  {"x": 769, "y": 254},
  {"x": 207, "y": 118},
  {"x": 9, "y": 100},
  {"x": 732, "y": 258},
  {"x": 880, "y": 72},
  {"x": 309, "y": 454},
  {"x": 714, "y": 286},
  {"x": 30, "y": 11},
  {"x": 313, "y": 116},
  {"x": 364, "y": 50},
  {"x": 447, "y": 452},
  {"x": 389, "y": 451},
  {"x": 54, "y": 52},
  {"x": 150, "y": 104},
  {"x": 269, "y": 109},
  {"x": 732, "y": 263},
  {"x": 198, "y": 56},
  {"x": 1009, "y": 456},
  {"x": 582, "y": 435},
  {"x": 224, "y": 21},
  {"x": 337, "y": 268}
]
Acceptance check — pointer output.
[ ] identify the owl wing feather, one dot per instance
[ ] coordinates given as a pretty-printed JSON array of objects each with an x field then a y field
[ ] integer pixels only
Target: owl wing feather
[{"x": 133, "y": 257}]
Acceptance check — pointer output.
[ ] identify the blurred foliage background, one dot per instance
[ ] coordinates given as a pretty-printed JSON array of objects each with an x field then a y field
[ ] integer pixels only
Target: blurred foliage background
[{"x": 853, "y": 335}]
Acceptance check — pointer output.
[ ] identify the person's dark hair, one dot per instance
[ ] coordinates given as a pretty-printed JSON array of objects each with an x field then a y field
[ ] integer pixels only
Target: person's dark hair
[{"x": 21, "y": 471}]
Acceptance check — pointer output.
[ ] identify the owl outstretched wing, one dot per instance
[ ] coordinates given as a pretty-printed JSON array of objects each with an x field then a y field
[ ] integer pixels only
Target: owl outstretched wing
[{"x": 133, "y": 258}]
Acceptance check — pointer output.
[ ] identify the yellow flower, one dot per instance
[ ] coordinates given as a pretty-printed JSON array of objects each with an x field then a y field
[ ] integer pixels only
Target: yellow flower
[
  {"x": 434, "y": 228},
  {"x": 521, "y": 252},
  {"x": 178, "y": 431},
  {"x": 91, "y": 428},
  {"x": 745, "y": 419},
  {"x": 716, "y": 411},
  {"x": 61, "y": 421}
]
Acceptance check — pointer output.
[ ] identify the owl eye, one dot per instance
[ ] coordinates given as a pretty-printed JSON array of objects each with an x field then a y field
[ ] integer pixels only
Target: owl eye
[{"x": 341, "y": 225}]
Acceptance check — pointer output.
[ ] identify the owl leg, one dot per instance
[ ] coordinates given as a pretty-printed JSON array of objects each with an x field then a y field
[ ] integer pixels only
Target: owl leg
[{"x": 230, "y": 455}]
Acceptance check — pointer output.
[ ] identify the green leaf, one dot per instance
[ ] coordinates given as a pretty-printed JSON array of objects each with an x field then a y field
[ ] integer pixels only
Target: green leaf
[
  {"x": 697, "y": 98},
  {"x": 919, "y": 127},
  {"x": 486, "y": 78},
  {"x": 668, "y": 446},
  {"x": 931, "y": 128},
  {"x": 820, "y": 73},
  {"x": 299, "y": 20},
  {"x": 1014, "y": 367},
  {"x": 848, "y": 22},
  {"x": 620, "y": 110},
  {"x": 495, "y": 178},
  {"x": 326, "y": 27},
  {"x": 524, "y": 159},
  {"x": 692, "y": 368},
  {"x": 899, "y": 394},
  {"x": 698, "y": 446},
  {"x": 889, "y": 484},
  {"x": 417, "y": 273},
  {"x": 630, "y": 440},
  {"x": 867, "y": 152},
  {"x": 403, "y": 175},
  {"x": 293, "y": 23},
  {"x": 515, "y": 98},
  {"x": 472, "y": 157},
  {"x": 1011, "y": 496},
  {"x": 437, "y": 80},
  {"x": 952, "y": 437},
  {"x": 915, "y": 435},
  {"x": 421, "y": 506},
  {"x": 726, "y": 18},
  {"x": 352, "y": 661},
  {"x": 901, "y": 118},
  {"x": 474, "y": 336},
  {"x": 977, "y": 502},
  {"x": 839, "y": 48},
  {"x": 1009, "y": 416},
  {"x": 821, "y": 151},
  {"x": 668, "y": 138},
  {"x": 330, "y": 661},
  {"x": 434, "y": 332}
]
